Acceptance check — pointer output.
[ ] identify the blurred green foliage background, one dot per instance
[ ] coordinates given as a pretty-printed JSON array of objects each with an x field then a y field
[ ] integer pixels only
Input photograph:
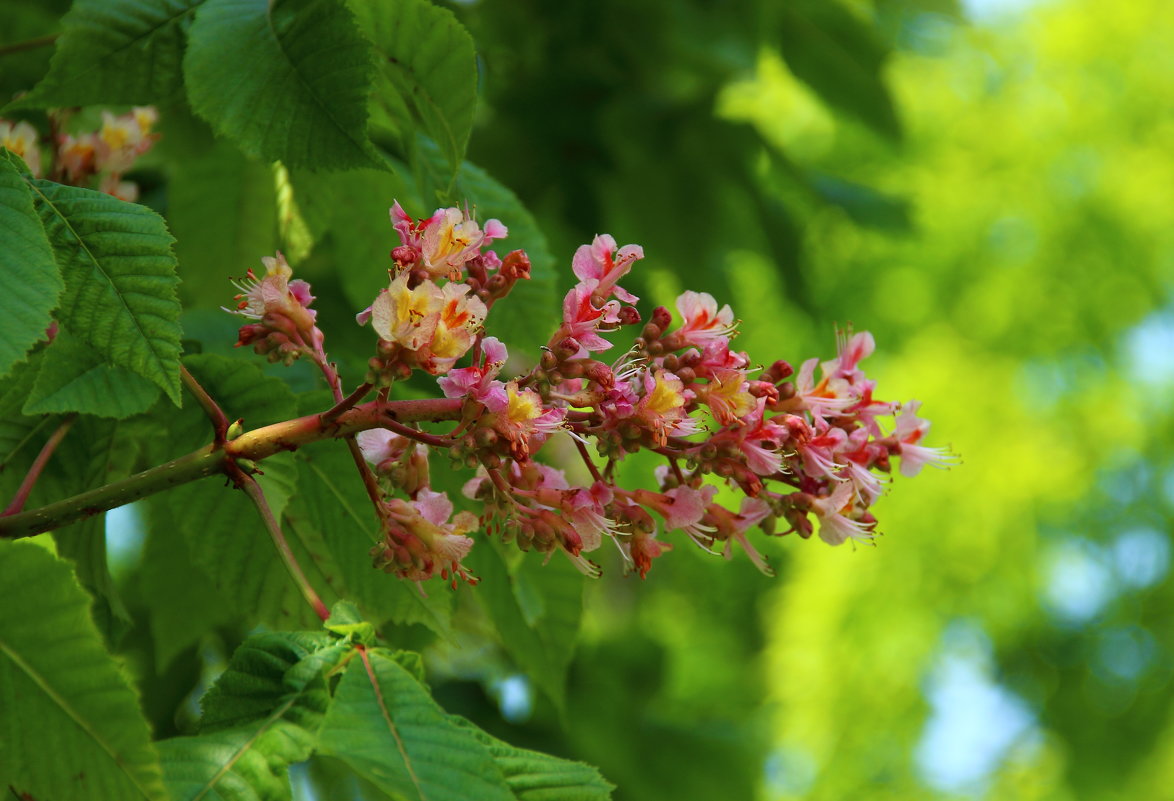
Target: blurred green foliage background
[{"x": 988, "y": 188}]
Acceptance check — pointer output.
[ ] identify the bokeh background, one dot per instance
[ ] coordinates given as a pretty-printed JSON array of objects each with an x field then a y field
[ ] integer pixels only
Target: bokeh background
[{"x": 988, "y": 187}]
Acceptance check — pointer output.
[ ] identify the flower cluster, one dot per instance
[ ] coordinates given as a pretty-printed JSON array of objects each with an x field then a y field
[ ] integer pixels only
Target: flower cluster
[
  {"x": 795, "y": 451},
  {"x": 93, "y": 159}
]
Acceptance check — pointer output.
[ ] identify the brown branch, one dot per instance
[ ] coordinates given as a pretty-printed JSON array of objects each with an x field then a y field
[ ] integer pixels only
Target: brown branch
[{"x": 29, "y": 44}]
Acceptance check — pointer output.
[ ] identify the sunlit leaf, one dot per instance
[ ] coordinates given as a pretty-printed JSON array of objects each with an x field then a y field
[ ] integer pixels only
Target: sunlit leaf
[
  {"x": 386, "y": 727},
  {"x": 56, "y": 677}
]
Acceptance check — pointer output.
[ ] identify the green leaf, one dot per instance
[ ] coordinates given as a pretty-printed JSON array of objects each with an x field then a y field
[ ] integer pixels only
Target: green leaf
[
  {"x": 30, "y": 284},
  {"x": 71, "y": 726},
  {"x": 185, "y": 603},
  {"x": 536, "y": 608},
  {"x": 345, "y": 621},
  {"x": 390, "y": 731},
  {"x": 300, "y": 74},
  {"x": 18, "y": 443},
  {"x": 428, "y": 59},
  {"x": 263, "y": 714},
  {"x": 75, "y": 378},
  {"x": 533, "y": 776},
  {"x": 841, "y": 58},
  {"x": 116, "y": 51},
  {"x": 333, "y": 502},
  {"x": 119, "y": 278}
]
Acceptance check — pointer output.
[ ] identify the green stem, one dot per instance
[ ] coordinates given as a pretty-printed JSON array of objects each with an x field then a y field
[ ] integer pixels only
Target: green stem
[{"x": 256, "y": 445}]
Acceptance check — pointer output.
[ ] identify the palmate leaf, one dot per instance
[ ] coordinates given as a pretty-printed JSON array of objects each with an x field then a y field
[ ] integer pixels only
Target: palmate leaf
[
  {"x": 387, "y": 728},
  {"x": 263, "y": 714},
  {"x": 300, "y": 73},
  {"x": 120, "y": 278},
  {"x": 30, "y": 284},
  {"x": 71, "y": 726},
  {"x": 427, "y": 58},
  {"x": 116, "y": 51}
]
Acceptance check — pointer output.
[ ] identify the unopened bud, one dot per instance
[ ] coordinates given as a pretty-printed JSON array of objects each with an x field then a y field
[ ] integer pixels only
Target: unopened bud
[
  {"x": 629, "y": 315},
  {"x": 516, "y": 265},
  {"x": 661, "y": 318},
  {"x": 236, "y": 429}
]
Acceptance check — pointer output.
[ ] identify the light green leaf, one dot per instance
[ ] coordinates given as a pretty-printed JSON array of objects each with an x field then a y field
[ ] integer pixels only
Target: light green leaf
[
  {"x": 533, "y": 776},
  {"x": 119, "y": 278},
  {"x": 300, "y": 74},
  {"x": 387, "y": 728},
  {"x": 263, "y": 714},
  {"x": 75, "y": 378},
  {"x": 30, "y": 284},
  {"x": 427, "y": 58},
  {"x": 71, "y": 726},
  {"x": 345, "y": 621},
  {"x": 116, "y": 51}
]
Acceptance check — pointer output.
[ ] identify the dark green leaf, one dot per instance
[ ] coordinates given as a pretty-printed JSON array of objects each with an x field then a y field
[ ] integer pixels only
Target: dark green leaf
[
  {"x": 71, "y": 726},
  {"x": 116, "y": 51},
  {"x": 390, "y": 731},
  {"x": 840, "y": 57},
  {"x": 427, "y": 58},
  {"x": 300, "y": 74},
  {"x": 263, "y": 714},
  {"x": 119, "y": 279},
  {"x": 30, "y": 283},
  {"x": 75, "y": 378}
]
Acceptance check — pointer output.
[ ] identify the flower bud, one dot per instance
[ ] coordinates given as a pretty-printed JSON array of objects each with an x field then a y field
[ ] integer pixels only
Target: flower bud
[{"x": 662, "y": 318}]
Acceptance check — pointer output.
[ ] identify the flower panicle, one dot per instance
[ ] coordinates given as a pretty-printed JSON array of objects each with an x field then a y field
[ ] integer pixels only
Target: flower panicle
[{"x": 807, "y": 451}]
